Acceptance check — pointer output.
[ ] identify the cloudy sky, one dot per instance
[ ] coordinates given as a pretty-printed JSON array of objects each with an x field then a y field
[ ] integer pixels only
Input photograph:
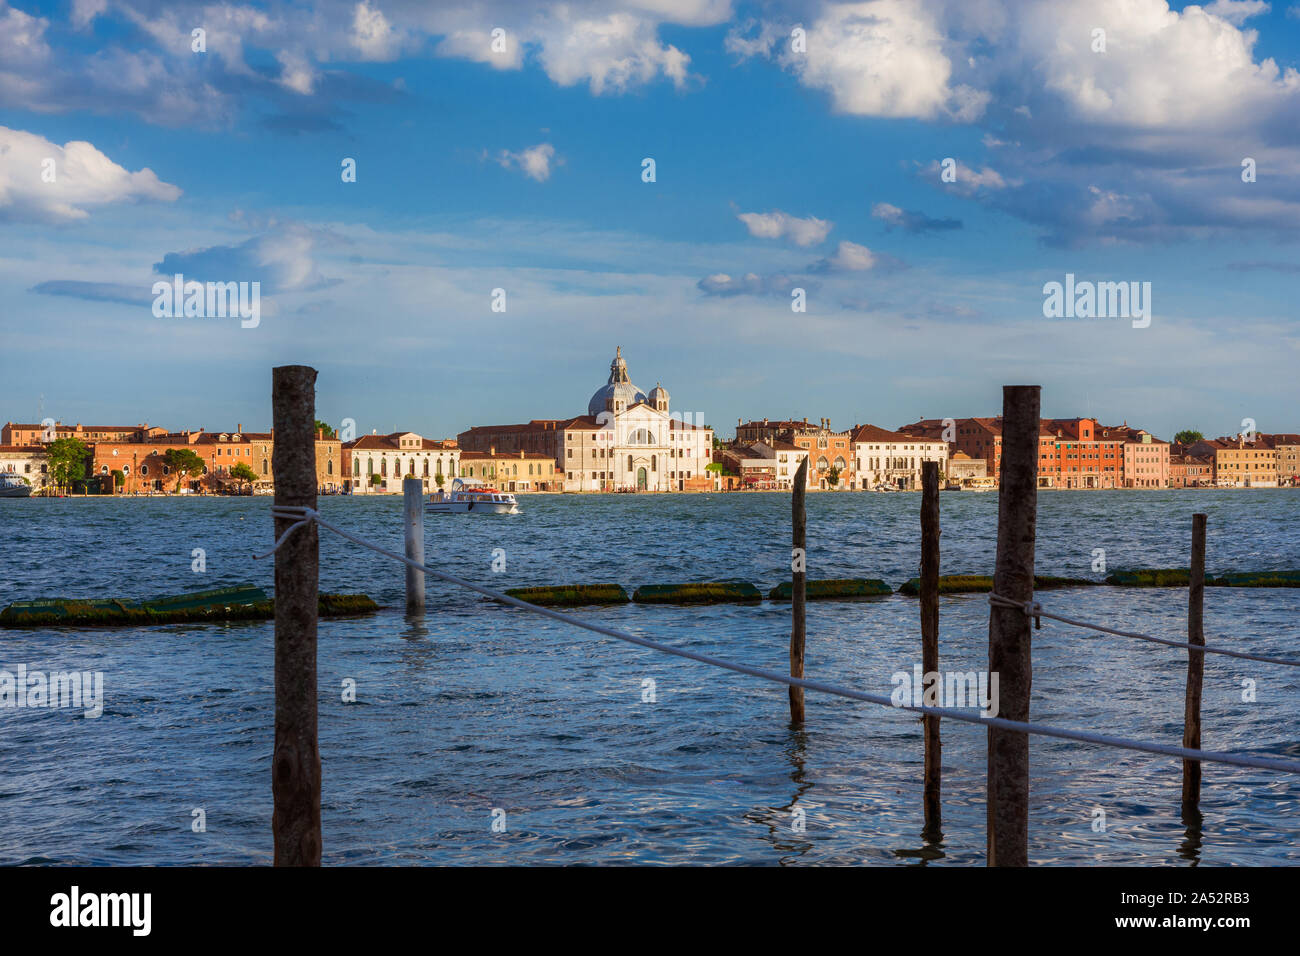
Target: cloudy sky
[{"x": 796, "y": 145}]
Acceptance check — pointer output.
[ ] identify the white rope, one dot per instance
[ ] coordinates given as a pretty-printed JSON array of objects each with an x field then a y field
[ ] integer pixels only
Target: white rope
[
  {"x": 1034, "y": 609},
  {"x": 307, "y": 515}
]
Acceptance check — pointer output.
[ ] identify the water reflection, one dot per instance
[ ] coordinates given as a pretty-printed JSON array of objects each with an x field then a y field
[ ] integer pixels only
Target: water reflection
[
  {"x": 787, "y": 824},
  {"x": 1193, "y": 835}
]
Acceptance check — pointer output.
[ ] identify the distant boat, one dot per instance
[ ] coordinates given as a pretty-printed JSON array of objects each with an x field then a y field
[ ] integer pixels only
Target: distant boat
[
  {"x": 468, "y": 495},
  {"x": 14, "y": 486}
]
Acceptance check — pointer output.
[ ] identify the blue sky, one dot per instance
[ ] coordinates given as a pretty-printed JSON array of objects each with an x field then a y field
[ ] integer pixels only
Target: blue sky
[{"x": 775, "y": 169}]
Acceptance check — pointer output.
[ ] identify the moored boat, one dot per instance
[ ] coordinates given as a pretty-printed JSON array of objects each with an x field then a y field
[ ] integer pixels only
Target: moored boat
[
  {"x": 469, "y": 495},
  {"x": 14, "y": 486}
]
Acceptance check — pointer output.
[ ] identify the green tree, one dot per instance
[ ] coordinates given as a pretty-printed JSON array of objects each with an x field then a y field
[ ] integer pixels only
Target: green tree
[
  {"x": 119, "y": 479},
  {"x": 833, "y": 477},
  {"x": 243, "y": 474},
  {"x": 67, "y": 461},
  {"x": 1188, "y": 436},
  {"x": 439, "y": 479},
  {"x": 376, "y": 479},
  {"x": 325, "y": 429},
  {"x": 184, "y": 463}
]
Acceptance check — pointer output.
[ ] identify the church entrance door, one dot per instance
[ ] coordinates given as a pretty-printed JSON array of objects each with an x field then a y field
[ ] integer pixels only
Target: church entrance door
[{"x": 640, "y": 479}]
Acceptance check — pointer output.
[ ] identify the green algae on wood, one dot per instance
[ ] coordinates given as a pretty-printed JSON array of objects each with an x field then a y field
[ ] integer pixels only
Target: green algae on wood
[
  {"x": 834, "y": 588},
  {"x": 571, "y": 595},
  {"x": 709, "y": 592},
  {"x": 242, "y": 603},
  {"x": 980, "y": 583}
]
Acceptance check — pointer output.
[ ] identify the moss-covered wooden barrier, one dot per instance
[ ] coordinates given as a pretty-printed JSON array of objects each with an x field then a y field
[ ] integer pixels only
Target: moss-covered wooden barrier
[
  {"x": 1180, "y": 578},
  {"x": 571, "y": 595},
  {"x": 230, "y": 604},
  {"x": 1151, "y": 578},
  {"x": 978, "y": 583},
  {"x": 1256, "y": 579},
  {"x": 842, "y": 589},
  {"x": 713, "y": 592}
]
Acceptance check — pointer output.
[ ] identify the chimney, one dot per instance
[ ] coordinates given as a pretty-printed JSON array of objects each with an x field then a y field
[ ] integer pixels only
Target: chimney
[
  {"x": 239, "y": 429},
  {"x": 492, "y": 450}
]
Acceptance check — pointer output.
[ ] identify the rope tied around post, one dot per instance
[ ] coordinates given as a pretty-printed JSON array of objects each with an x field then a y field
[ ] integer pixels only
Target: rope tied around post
[{"x": 1031, "y": 607}]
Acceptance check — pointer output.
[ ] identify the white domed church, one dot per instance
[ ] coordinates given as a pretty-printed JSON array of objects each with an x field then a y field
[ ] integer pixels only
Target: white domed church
[{"x": 629, "y": 440}]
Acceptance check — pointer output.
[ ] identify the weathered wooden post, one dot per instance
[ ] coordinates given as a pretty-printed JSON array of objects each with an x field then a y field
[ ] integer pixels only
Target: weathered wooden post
[
  {"x": 1195, "y": 665},
  {"x": 295, "y": 764},
  {"x": 1009, "y": 627},
  {"x": 413, "y": 501},
  {"x": 798, "y": 588},
  {"x": 930, "y": 635}
]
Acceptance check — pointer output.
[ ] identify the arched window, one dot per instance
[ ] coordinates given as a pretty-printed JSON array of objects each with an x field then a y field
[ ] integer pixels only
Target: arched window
[
  {"x": 426, "y": 468},
  {"x": 641, "y": 436},
  {"x": 653, "y": 463},
  {"x": 329, "y": 467},
  {"x": 822, "y": 463},
  {"x": 629, "y": 462},
  {"x": 144, "y": 469},
  {"x": 356, "y": 468},
  {"x": 839, "y": 463},
  {"x": 264, "y": 465},
  {"x": 383, "y": 467}
]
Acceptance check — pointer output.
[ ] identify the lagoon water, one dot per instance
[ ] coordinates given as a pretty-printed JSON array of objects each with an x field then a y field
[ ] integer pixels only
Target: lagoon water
[{"x": 480, "y": 708}]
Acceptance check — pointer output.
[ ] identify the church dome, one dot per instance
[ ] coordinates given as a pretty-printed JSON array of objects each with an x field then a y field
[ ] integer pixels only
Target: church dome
[
  {"x": 618, "y": 394},
  {"x": 659, "y": 398}
]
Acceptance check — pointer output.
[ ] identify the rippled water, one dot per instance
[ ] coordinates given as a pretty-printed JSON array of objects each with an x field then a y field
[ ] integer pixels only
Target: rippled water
[{"x": 481, "y": 707}]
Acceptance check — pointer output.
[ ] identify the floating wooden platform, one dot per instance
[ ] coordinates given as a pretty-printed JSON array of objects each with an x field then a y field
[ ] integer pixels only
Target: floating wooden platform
[
  {"x": 241, "y": 602},
  {"x": 1179, "y": 578},
  {"x": 977, "y": 583},
  {"x": 571, "y": 595},
  {"x": 833, "y": 589},
  {"x": 710, "y": 592}
]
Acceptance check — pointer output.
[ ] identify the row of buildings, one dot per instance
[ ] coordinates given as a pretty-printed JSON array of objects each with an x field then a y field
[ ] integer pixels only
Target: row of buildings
[
  {"x": 1077, "y": 453},
  {"x": 631, "y": 440}
]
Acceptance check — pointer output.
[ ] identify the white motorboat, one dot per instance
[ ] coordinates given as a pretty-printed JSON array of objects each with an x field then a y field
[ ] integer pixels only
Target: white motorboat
[
  {"x": 468, "y": 495},
  {"x": 14, "y": 486}
]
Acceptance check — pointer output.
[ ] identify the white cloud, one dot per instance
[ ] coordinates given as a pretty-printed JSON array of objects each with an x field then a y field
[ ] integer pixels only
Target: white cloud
[
  {"x": 878, "y": 58},
  {"x": 751, "y": 283},
  {"x": 777, "y": 225},
  {"x": 1237, "y": 11},
  {"x": 373, "y": 35},
  {"x": 611, "y": 53},
  {"x": 534, "y": 162},
  {"x": 83, "y": 176},
  {"x": 848, "y": 257},
  {"x": 296, "y": 73}
]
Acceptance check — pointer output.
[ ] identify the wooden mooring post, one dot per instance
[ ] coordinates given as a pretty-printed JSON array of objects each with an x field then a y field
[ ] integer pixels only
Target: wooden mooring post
[
  {"x": 413, "y": 511},
  {"x": 1195, "y": 665},
  {"x": 1009, "y": 627},
  {"x": 295, "y": 764},
  {"x": 798, "y": 588},
  {"x": 930, "y": 636}
]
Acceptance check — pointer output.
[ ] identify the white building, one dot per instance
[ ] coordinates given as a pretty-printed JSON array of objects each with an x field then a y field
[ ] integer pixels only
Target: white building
[
  {"x": 376, "y": 464},
  {"x": 27, "y": 461},
  {"x": 629, "y": 440},
  {"x": 890, "y": 458}
]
